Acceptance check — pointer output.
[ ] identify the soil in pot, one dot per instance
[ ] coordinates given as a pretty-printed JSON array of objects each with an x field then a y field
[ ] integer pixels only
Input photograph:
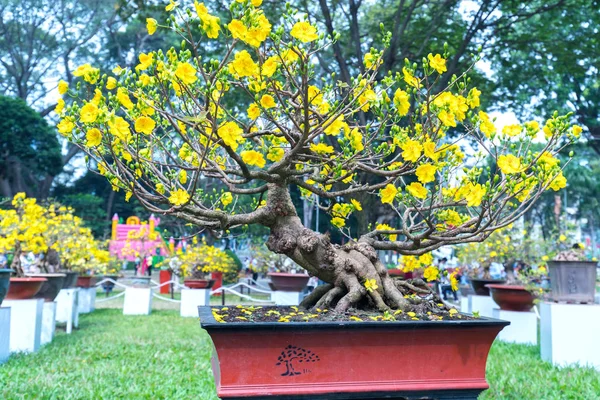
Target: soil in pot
[
  {"x": 70, "y": 279},
  {"x": 24, "y": 288},
  {"x": 288, "y": 282},
  {"x": 199, "y": 283},
  {"x": 4, "y": 282},
  {"x": 49, "y": 290},
  {"x": 512, "y": 297},
  {"x": 479, "y": 287}
]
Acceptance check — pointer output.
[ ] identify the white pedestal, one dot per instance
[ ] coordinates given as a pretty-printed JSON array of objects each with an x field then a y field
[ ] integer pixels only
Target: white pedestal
[
  {"x": 482, "y": 304},
  {"x": 138, "y": 301},
  {"x": 522, "y": 328},
  {"x": 48, "y": 322},
  {"x": 282, "y": 298},
  {"x": 67, "y": 310},
  {"x": 569, "y": 334},
  {"x": 25, "y": 324},
  {"x": 87, "y": 300},
  {"x": 191, "y": 299},
  {"x": 4, "y": 334}
]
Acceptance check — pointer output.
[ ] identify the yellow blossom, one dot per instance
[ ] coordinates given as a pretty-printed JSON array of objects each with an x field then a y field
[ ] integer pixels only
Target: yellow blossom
[
  {"x": 179, "y": 197},
  {"x": 411, "y": 150},
  {"x": 417, "y": 190},
  {"x": 231, "y": 134},
  {"x": 426, "y": 173},
  {"x": 338, "y": 222},
  {"x": 473, "y": 98},
  {"x": 252, "y": 157},
  {"x": 124, "y": 99},
  {"x": 226, "y": 199},
  {"x": 88, "y": 113},
  {"x": 63, "y": 87},
  {"x": 356, "y": 204},
  {"x": 267, "y": 101},
  {"x": 243, "y": 65},
  {"x": 386, "y": 227},
  {"x": 275, "y": 154},
  {"x": 388, "y": 194},
  {"x": 371, "y": 284},
  {"x": 111, "y": 83},
  {"x": 437, "y": 62},
  {"x": 431, "y": 273},
  {"x": 304, "y": 32},
  {"x": 151, "y": 25},
  {"x": 65, "y": 126},
  {"x": 401, "y": 101},
  {"x": 186, "y": 73},
  {"x": 410, "y": 79},
  {"x": 144, "y": 125},
  {"x": 559, "y": 182},
  {"x": 93, "y": 137},
  {"x": 509, "y": 164},
  {"x": 321, "y": 148},
  {"x": 253, "y": 111},
  {"x": 512, "y": 130}
]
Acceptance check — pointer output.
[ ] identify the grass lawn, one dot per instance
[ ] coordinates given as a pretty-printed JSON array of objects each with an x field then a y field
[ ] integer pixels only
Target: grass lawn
[{"x": 164, "y": 356}]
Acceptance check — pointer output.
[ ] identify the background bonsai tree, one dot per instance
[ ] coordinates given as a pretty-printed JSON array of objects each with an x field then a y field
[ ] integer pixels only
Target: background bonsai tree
[
  {"x": 236, "y": 111},
  {"x": 198, "y": 260},
  {"x": 263, "y": 260}
]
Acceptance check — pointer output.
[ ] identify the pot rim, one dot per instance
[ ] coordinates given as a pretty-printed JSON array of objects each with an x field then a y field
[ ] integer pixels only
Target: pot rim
[
  {"x": 487, "y": 280},
  {"x": 5, "y": 270},
  {"x": 572, "y": 262},
  {"x": 28, "y": 279},
  {"x": 287, "y": 274},
  {"x": 48, "y": 275},
  {"x": 207, "y": 321},
  {"x": 505, "y": 287}
]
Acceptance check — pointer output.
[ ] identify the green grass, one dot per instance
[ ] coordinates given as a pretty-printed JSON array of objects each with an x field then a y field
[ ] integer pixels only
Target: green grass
[{"x": 164, "y": 356}]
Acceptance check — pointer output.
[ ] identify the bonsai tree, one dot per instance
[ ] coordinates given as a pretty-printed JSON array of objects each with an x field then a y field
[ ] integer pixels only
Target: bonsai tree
[
  {"x": 263, "y": 260},
  {"x": 199, "y": 260},
  {"x": 237, "y": 107}
]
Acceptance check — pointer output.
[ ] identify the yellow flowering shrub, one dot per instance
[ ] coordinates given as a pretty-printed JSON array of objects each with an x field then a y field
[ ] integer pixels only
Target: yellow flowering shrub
[{"x": 200, "y": 259}]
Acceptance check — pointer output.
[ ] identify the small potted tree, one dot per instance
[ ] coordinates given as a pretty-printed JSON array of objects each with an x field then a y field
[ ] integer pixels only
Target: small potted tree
[
  {"x": 572, "y": 274},
  {"x": 240, "y": 111}
]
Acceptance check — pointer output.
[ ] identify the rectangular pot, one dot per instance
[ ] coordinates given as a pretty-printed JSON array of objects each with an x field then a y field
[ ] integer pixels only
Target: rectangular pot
[{"x": 350, "y": 360}]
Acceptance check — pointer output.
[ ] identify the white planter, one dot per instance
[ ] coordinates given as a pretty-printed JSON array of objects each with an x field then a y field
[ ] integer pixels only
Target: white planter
[
  {"x": 48, "y": 322},
  {"x": 87, "y": 300},
  {"x": 67, "y": 310},
  {"x": 464, "y": 304},
  {"x": 522, "y": 328},
  {"x": 191, "y": 299},
  {"x": 25, "y": 324},
  {"x": 282, "y": 298},
  {"x": 4, "y": 334},
  {"x": 138, "y": 301},
  {"x": 569, "y": 334},
  {"x": 483, "y": 304}
]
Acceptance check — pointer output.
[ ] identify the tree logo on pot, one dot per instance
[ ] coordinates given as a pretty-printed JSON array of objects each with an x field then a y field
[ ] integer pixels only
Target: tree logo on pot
[{"x": 293, "y": 354}]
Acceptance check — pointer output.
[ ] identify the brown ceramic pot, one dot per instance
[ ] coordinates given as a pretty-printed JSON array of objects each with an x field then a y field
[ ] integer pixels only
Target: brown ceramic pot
[
  {"x": 479, "y": 285},
  {"x": 288, "y": 282},
  {"x": 199, "y": 283},
  {"x": 24, "y": 288},
  {"x": 511, "y": 297}
]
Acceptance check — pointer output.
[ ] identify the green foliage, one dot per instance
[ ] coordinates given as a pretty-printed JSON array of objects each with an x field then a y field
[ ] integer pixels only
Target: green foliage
[
  {"x": 232, "y": 276},
  {"x": 29, "y": 148}
]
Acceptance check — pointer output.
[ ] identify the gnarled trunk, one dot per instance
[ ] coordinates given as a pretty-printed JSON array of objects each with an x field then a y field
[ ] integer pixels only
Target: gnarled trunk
[{"x": 345, "y": 268}]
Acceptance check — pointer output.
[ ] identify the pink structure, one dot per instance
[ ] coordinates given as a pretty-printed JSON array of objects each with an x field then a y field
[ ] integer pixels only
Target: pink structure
[{"x": 128, "y": 249}]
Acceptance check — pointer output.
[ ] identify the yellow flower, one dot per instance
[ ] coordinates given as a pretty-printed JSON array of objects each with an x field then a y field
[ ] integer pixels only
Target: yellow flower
[
  {"x": 124, "y": 99},
  {"x": 577, "y": 130},
  {"x": 410, "y": 79},
  {"x": 226, "y": 199},
  {"x": 562, "y": 238},
  {"x": 275, "y": 154},
  {"x": 370, "y": 59},
  {"x": 270, "y": 66},
  {"x": 560, "y": 182},
  {"x": 183, "y": 177},
  {"x": 93, "y": 137},
  {"x": 355, "y": 318},
  {"x": 60, "y": 105},
  {"x": 388, "y": 194},
  {"x": 172, "y": 4},
  {"x": 437, "y": 62},
  {"x": 401, "y": 101},
  {"x": 473, "y": 98},
  {"x": 253, "y": 111},
  {"x": 411, "y": 150},
  {"x": 417, "y": 190},
  {"x": 426, "y": 173},
  {"x": 431, "y": 273},
  {"x": 371, "y": 284},
  {"x": 186, "y": 73},
  {"x": 256, "y": 3},
  {"x": 179, "y": 197},
  {"x": 452, "y": 312},
  {"x": 447, "y": 118},
  {"x": 144, "y": 125},
  {"x": 231, "y": 134},
  {"x": 512, "y": 130},
  {"x": 151, "y": 25},
  {"x": 429, "y": 150},
  {"x": 356, "y": 204},
  {"x": 338, "y": 222},
  {"x": 243, "y": 65},
  {"x": 386, "y": 227},
  {"x": 238, "y": 29},
  {"x": 119, "y": 128},
  {"x": 111, "y": 83},
  {"x": 252, "y": 157},
  {"x": 356, "y": 139},
  {"x": 63, "y": 87},
  {"x": 89, "y": 73},
  {"x": 453, "y": 282},
  {"x": 321, "y": 148},
  {"x": 65, "y": 126},
  {"x": 493, "y": 254},
  {"x": 545, "y": 258},
  {"x": 88, "y": 113},
  {"x": 509, "y": 164},
  {"x": 304, "y": 32},
  {"x": 486, "y": 126},
  {"x": 267, "y": 101}
]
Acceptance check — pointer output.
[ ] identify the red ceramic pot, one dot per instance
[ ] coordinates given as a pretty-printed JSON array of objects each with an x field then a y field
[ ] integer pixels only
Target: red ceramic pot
[
  {"x": 165, "y": 276},
  {"x": 24, "y": 288},
  {"x": 479, "y": 285},
  {"x": 84, "y": 282},
  {"x": 396, "y": 272},
  {"x": 288, "y": 282},
  {"x": 322, "y": 360},
  {"x": 199, "y": 283},
  {"x": 218, "y": 277},
  {"x": 511, "y": 298}
]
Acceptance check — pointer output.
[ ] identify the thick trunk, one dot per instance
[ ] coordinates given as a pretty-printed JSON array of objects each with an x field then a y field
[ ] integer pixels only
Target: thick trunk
[
  {"x": 16, "y": 262},
  {"x": 346, "y": 268}
]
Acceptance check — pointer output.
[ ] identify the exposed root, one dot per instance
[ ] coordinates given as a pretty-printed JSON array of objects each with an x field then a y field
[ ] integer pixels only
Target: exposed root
[
  {"x": 405, "y": 286},
  {"x": 330, "y": 298},
  {"x": 311, "y": 299}
]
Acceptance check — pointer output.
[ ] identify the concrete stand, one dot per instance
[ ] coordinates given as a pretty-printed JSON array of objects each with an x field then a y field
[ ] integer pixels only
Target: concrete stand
[
  {"x": 66, "y": 308},
  {"x": 522, "y": 328},
  {"x": 48, "y": 322},
  {"x": 87, "y": 300},
  {"x": 464, "y": 304},
  {"x": 569, "y": 334},
  {"x": 4, "y": 334},
  {"x": 138, "y": 301},
  {"x": 282, "y": 298},
  {"x": 482, "y": 304},
  {"x": 25, "y": 324},
  {"x": 191, "y": 299}
]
